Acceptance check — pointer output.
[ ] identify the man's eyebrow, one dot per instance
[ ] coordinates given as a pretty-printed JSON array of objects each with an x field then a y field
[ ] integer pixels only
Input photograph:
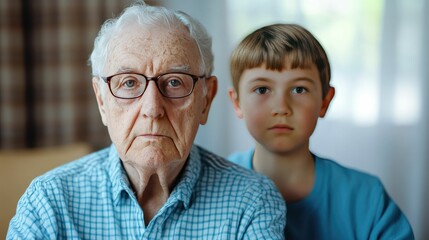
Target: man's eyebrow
[
  {"x": 125, "y": 70},
  {"x": 182, "y": 68}
]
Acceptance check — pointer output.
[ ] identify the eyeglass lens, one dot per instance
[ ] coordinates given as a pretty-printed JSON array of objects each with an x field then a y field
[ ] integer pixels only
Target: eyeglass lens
[{"x": 131, "y": 85}]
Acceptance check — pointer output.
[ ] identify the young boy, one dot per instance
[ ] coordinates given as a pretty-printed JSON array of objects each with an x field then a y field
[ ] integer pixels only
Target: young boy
[{"x": 281, "y": 75}]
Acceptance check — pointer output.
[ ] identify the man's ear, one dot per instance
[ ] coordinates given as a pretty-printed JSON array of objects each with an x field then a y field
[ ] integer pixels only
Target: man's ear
[
  {"x": 327, "y": 101},
  {"x": 233, "y": 97},
  {"x": 100, "y": 100},
  {"x": 211, "y": 87}
]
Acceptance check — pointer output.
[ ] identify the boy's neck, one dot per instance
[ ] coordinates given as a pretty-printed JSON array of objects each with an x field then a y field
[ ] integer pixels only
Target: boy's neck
[{"x": 293, "y": 173}]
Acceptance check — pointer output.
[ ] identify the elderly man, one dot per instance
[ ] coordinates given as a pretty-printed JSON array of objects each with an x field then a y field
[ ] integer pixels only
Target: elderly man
[{"x": 152, "y": 80}]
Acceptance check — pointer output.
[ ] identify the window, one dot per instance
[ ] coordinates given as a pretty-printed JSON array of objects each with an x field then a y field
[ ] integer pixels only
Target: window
[{"x": 373, "y": 60}]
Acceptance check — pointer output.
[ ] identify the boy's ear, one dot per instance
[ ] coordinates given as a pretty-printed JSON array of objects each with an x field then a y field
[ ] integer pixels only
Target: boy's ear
[
  {"x": 327, "y": 101},
  {"x": 233, "y": 97}
]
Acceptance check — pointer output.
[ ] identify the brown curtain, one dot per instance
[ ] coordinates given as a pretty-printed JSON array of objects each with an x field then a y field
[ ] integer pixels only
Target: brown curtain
[{"x": 46, "y": 95}]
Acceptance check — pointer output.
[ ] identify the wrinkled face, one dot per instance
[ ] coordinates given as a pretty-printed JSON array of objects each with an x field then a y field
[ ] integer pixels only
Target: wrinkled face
[
  {"x": 281, "y": 109},
  {"x": 153, "y": 131}
]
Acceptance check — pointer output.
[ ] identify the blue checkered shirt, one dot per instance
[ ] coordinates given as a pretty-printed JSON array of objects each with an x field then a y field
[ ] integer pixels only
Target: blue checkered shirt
[{"x": 91, "y": 198}]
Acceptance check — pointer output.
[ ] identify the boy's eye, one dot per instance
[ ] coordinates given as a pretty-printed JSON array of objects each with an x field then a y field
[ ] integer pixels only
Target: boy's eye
[
  {"x": 262, "y": 90},
  {"x": 299, "y": 90}
]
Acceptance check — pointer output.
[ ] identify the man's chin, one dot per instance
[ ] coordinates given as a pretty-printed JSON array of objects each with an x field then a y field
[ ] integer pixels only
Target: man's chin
[{"x": 151, "y": 154}]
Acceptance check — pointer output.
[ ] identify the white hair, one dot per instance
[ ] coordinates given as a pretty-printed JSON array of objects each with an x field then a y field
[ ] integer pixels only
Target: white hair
[{"x": 145, "y": 15}]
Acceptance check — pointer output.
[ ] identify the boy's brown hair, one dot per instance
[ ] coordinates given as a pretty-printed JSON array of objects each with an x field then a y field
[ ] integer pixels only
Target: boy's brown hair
[{"x": 275, "y": 44}]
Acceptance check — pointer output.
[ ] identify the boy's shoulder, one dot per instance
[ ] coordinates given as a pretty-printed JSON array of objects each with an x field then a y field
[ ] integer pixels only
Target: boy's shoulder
[
  {"x": 242, "y": 158},
  {"x": 333, "y": 171}
]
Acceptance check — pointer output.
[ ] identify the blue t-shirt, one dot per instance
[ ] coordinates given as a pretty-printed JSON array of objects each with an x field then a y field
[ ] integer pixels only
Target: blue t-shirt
[{"x": 344, "y": 204}]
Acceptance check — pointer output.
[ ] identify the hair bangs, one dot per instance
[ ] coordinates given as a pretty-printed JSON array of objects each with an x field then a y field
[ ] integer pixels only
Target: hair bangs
[{"x": 279, "y": 47}]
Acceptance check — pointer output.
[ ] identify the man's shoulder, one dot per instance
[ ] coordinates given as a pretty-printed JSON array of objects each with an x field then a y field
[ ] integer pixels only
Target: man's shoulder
[
  {"x": 218, "y": 163},
  {"x": 222, "y": 180},
  {"x": 70, "y": 173},
  {"x": 218, "y": 166}
]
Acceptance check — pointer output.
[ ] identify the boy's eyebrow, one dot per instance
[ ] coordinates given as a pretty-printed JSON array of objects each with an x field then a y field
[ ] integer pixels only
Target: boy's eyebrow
[
  {"x": 307, "y": 79},
  {"x": 259, "y": 79},
  {"x": 265, "y": 79}
]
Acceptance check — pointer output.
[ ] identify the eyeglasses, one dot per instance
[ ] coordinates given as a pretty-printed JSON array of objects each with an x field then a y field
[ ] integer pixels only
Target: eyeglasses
[{"x": 133, "y": 85}]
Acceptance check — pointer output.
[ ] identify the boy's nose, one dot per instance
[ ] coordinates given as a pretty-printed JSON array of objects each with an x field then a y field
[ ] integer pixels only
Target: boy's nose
[{"x": 281, "y": 105}]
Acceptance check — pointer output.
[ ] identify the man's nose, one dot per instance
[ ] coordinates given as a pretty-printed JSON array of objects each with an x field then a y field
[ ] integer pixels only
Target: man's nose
[{"x": 152, "y": 102}]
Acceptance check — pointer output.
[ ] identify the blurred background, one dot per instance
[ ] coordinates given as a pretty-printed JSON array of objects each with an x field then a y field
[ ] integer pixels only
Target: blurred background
[{"x": 378, "y": 121}]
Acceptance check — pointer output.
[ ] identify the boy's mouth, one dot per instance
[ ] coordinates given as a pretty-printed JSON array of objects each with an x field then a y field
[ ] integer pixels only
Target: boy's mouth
[{"x": 281, "y": 127}]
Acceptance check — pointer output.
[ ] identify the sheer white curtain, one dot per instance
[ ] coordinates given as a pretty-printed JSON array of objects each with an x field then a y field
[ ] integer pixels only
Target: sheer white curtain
[{"x": 378, "y": 121}]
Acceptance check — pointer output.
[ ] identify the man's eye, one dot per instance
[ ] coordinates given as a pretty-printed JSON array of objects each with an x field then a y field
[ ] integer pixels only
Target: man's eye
[
  {"x": 262, "y": 90},
  {"x": 174, "y": 83},
  {"x": 299, "y": 90},
  {"x": 129, "y": 83}
]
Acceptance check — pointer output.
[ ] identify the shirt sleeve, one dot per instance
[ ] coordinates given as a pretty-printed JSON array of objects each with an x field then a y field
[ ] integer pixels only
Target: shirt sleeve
[
  {"x": 390, "y": 223},
  {"x": 34, "y": 218},
  {"x": 268, "y": 215}
]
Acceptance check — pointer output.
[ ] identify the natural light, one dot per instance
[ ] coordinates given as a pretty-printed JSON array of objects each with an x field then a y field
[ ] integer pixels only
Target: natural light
[{"x": 351, "y": 33}]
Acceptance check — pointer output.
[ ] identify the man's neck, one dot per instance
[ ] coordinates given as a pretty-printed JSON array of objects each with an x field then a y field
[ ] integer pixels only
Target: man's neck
[{"x": 152, "y": 187}]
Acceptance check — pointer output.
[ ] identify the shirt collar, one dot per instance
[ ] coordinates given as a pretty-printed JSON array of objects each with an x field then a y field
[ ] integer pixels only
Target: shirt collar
[
  {"x": 188, "y": 178},
  {"x": 117, "y": 174},
  {"x": 182, "y": 191}
]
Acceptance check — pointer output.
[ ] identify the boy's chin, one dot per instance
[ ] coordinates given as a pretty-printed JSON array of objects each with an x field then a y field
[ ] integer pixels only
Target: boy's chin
[{"x": 283, "y": 148}]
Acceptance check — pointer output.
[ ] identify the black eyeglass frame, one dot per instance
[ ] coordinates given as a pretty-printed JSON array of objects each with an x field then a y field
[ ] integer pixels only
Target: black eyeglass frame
[{"x": 195, "y": 78}]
